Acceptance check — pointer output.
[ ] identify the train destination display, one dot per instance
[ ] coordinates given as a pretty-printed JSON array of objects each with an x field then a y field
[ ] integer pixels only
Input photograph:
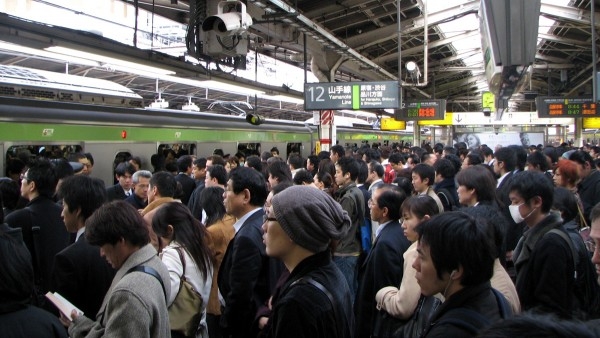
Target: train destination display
[
  {"x": 548, "y": 106},
  {"x": 415, "y": 110},
  {"x": 351, "y": 95}
]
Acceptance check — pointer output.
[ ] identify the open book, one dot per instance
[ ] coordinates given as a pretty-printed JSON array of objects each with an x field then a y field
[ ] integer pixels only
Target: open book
[{"x": 63, "y": 305}]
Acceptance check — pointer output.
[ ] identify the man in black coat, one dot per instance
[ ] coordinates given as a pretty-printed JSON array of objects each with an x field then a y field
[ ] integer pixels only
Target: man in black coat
[
  {"x": 184, "y": 167},
  {"x": 245, "y": 275},
  {"x": 589, "y": 187},
  {"x": 80, "y": 274},
  {"x": 120, "y": 191},
  {"x": 38, "y": 184},
  {"x": 384, "y": 264},
  {"x": 543, "y": 260}
]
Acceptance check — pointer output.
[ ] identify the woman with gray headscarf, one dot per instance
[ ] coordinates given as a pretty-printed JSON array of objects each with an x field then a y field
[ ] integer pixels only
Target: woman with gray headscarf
[{"x": 299, "y": 228}]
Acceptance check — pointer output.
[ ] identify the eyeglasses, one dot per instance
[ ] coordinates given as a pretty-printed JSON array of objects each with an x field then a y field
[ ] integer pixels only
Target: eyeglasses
[{"x": 269, "y": 219}]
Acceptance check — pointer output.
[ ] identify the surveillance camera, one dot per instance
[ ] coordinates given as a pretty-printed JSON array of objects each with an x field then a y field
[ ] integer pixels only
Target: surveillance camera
[{"x": 231, "y": 23}]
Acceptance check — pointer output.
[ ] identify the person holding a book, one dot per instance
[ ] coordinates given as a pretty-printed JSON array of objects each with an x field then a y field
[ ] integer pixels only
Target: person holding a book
[{"x": 135, "y": 305}]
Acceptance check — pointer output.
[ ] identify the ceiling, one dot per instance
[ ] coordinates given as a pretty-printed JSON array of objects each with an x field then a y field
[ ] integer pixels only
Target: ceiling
[{"x": 356, "y": 40}]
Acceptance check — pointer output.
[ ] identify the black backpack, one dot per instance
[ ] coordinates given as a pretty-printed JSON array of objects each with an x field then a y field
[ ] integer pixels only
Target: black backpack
[
  {"x": 448, "y": 200},
  {"x": 586, "y": 287}
]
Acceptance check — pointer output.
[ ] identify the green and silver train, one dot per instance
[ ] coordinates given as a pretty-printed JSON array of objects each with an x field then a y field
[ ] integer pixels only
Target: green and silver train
[{"x": 54, "y": 115}]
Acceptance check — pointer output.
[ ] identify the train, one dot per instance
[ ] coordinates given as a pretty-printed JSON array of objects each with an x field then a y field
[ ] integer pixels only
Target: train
[{"x": 59, "y": 117}]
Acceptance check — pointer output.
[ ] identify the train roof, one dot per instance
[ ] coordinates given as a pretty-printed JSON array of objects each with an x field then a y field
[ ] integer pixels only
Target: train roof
[{"x": 20, "y": 82}]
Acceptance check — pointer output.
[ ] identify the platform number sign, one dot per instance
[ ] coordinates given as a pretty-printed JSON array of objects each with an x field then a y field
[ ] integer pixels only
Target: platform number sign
[{"x": 351, "y": 95}]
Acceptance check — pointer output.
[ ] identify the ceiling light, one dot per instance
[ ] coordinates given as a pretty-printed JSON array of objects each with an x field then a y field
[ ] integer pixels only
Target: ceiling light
[{"x": 109, "y": 60}]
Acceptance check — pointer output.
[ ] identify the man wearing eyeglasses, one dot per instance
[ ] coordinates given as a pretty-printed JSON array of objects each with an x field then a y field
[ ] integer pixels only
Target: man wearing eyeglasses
[
  {"x": 38, "y": 185},
  {"x": 244, "y": 277}
]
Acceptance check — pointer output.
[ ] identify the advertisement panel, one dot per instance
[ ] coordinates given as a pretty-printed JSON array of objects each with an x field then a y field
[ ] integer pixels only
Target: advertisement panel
[{"x": 474, "y": 140}]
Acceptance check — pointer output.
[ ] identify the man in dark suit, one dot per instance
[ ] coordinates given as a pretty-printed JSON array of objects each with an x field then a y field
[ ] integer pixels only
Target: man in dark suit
[
  {"x": 141, "y": 184},
  {"x": 244, "y": 276},
  {"x": 384, "y": 265},
  {"x": 120, "y": 191},
  {"x": 38, "y": 184},
  {"x": 505, "y": 161},
  {"x": 184, "y": 166},
  {"x": 80, "y": 274}
]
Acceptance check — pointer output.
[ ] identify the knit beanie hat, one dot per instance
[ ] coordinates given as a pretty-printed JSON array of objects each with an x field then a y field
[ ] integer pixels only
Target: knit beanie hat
[{"x": 310, "y": 217}]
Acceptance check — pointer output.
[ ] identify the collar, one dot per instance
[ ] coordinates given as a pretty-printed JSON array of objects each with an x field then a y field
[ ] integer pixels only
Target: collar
[
  {"x": 381, "y": 227},
  {"x": 156, "y": 203},
  {"x": 533, "y": 235},
  {"x": 238, "y": 225},
  {"x": 501, "y": 179},
  {"x": 79, "y": 233}
]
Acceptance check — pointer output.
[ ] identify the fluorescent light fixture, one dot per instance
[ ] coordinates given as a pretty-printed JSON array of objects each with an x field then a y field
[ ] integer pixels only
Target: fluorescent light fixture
[
  {"x": 109, "y": 60},
  {"x": 41, "y": 53},
  {"x": 226, "y": 87},
  {"x": 283, "y": 98}
]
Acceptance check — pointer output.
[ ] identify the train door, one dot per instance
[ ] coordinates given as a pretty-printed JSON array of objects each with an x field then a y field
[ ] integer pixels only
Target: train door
[
  {"x": 293, "y": 148},
  {"x": 208, "y": 148},
  {"x": 249, "y": 149},
  {"x": 107, "y": 154}
]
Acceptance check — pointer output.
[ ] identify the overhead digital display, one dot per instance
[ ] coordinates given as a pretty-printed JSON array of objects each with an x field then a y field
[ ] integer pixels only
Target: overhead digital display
[
  {"x": 421, "y": 110},
  {"x": 351, "y": 95},
  {"x": 548, "y": 106}
]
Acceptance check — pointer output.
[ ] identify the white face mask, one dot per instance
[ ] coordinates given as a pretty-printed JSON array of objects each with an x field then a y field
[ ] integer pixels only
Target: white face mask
[{"x": 516, "y": 214}]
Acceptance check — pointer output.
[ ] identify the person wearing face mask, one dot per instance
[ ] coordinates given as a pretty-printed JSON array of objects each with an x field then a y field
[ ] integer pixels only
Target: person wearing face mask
[{"x": 543, "y": 258}]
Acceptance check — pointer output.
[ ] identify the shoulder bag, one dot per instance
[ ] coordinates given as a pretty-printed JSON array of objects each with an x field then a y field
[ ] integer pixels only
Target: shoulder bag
[{"x": 186, "y": 311}]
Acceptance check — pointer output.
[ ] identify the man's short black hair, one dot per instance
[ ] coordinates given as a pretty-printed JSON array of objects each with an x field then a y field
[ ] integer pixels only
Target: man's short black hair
[
  {"x": 116, "y": 220},
  {"x": 391, "y": 197},
  {"x": 124, "y": 168},
  {"x": 444, "y": 167},
  {"x": 165, "y": 183},
  {"x": 184, "y": 162},
  {"x": 200, "y": 163},
  {"x": 348, "y": 165},
  {"x": 377, "y": 168},
  {"x": 82, "y": 192},
  {"x": 295, "y": 161},
  {"x": 455, "y": 240},
  {"x": 507, "y": 156},
  {"x": 280, "y": 170},
  {"x": 219, "y": 173},
  {"x": 42, "y": 172},
  {"x": 582, "y": 157},
  {"x": 338, "y": 150},
  {"x": 302, "y": 176},
  {"x": 246, "y": 178},
  {"x": 425, "y": 171},
  {"x": 529, "y": 184},
  {"x": 254, "y": 162},
  {"x": 396, "y": 158}
]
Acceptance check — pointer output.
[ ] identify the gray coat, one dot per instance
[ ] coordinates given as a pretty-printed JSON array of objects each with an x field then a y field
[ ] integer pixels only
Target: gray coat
[{"x": 135, "y": 304}]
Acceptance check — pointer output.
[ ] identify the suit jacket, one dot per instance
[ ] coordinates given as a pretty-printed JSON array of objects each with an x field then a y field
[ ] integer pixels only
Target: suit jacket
[
  {"x": 514, "y": 230},
  {"x": 115, "y": 192},
  {"x": 244, "y": 278},
  {"x": 53, "y": 237},
  {"x": 82, "y": 276},
  {"x": 194, "y": 201},
  {"x": 383, "y": 266},
  {"x": 187, "y": 185},
  {"x": 136, "y": 201}
]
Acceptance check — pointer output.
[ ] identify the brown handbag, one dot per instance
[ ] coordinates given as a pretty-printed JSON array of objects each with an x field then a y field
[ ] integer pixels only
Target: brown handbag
[{"x": 186, "y": 310}]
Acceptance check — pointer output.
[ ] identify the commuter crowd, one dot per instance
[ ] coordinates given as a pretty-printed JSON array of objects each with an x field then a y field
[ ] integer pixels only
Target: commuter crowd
[{"x": 377, "y": 241}]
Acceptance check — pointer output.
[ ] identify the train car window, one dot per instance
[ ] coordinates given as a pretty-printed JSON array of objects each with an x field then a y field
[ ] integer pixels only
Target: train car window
[
  {"x": 28, "y": 152},
  {"x": 176, "y": 149},
  {"x": 249, "y": 149},
  {"x": 293, "y": 148}
]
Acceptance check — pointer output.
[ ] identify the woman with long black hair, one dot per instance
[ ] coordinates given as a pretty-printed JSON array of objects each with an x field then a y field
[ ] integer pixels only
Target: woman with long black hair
[{"x": 182, "y": 236}]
